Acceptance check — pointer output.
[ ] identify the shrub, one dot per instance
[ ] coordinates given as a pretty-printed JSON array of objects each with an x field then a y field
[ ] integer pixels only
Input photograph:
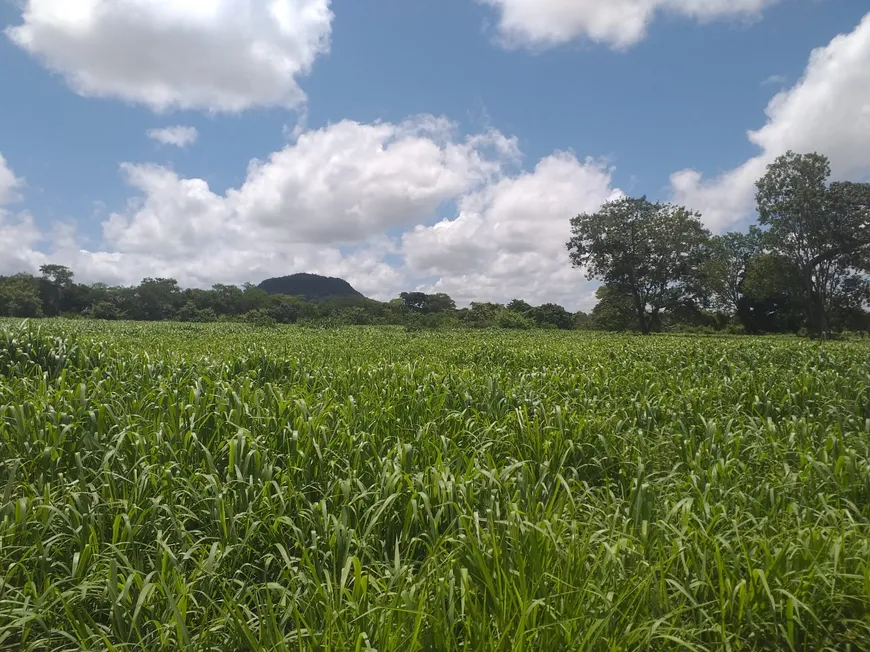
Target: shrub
[
  {"x": 259, "y": 318},
  {"x": 190, "y": 313},
  {"x": 106, "y": 310},
  {"x": 513, "y": 320}
]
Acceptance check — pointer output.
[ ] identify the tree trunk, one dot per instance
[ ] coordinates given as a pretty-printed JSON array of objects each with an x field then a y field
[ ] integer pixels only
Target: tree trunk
[
  {"x": 823, "y": 322},
  {"x": 641, "y": 313},
  {"x": 817, "y": 314},
  {"x": 744, "y": 315}
]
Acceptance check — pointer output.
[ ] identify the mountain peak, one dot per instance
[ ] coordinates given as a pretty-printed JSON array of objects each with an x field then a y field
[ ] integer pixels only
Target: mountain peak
[{"x": 311, "y": 287}]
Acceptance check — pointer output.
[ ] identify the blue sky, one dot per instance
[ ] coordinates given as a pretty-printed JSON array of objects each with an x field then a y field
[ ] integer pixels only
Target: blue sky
[{"x": 432, "y": 145}]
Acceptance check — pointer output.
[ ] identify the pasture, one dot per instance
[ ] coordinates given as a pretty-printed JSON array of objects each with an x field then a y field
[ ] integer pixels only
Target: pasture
[{"x": 228, "y": 487}]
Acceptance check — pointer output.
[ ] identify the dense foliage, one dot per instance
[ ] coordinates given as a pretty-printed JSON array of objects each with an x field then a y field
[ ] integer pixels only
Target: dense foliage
[
  {"x": 806, "y": 267},
  {"x": 650, "y": 252},
  {"x": 229, "y": 487},
  {"x": 55, "y": 293}
]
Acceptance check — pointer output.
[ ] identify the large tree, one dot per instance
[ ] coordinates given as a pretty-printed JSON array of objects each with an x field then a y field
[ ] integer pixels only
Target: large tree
[
  {"x": 427, "y": 303},
  {"x": 520, "y": 306},
  {"x": 19, "y": 296},
  {"x": 822, "y": 229},
  {"x": 552, "y": 314},
  {"x": 772, "y": 299},
  {"x": 724, "y": 272},
  {"x": 614, "y": 310},
  {"x": 652, "y": 251},
  {"x": 158, "y": 298},
  {"x": 55, "y": 283}
]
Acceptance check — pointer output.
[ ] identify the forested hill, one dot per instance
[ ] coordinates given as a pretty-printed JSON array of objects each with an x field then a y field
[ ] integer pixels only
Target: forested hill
[{"x": 309, "y": 286}]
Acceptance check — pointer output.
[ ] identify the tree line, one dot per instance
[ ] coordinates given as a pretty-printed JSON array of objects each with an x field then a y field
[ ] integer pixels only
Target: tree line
[
  {"x": 804, "y": 266},
  {"x": 55, "y": 293}
]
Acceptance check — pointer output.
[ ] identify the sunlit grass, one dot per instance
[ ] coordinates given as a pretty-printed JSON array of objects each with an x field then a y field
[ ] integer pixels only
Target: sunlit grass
[{"x": 222, "y": 487}]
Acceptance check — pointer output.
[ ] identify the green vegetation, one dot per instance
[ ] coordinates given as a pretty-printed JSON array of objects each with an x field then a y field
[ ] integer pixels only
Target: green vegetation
[
  {"x": 161, "y": 299},
  {"x": 804, "y": 268},
  {"x": 807, "y": 266},
  {"x": 232, "y": 487}
]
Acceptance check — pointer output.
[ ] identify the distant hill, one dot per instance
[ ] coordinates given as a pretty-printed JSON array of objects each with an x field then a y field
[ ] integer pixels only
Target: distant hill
[{"x": 312, "y": 287}]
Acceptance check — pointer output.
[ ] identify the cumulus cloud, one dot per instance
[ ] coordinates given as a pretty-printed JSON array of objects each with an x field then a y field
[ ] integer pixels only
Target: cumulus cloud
[
  {"x": 509, "y": 238},
  {"x": 827, "y": 111},
  {"x": 619, "y": 23},
  {"x": 215, "y": 55},
  {"x": 8, "y": 183},
  {"x": 327, "y": 203},
  {"x": 321, "y": 204},
  {"x": 340, "y": 185},
  {"x": 18, "y": 234},
  {"x": 351, "y": 180},
  {"x": 177, "y": 136},
  {"x": 19, "y": 238}
]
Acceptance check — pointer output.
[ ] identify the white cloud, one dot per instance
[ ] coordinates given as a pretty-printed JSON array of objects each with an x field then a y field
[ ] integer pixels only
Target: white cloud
[
  {"x": 827, "y": 111},
  {"x": 351, "y": 180},
  {"x": 724, "y": 200},
  {"x": 177, "y": 136},
  {"x": 9, "y": 183},
  {"x": 340, "y": 185},
  {"x": 774, "y": 80},
  {"x": 321, "y": 204},
  {"x": 221, "y": 261},
  {"x": 19, "y": 238},
  {"x": 18, "y": 235},
  {"x": 216, "y": 55},
  {"x": 619, "y": 23},
  {"x": 324, "y": 204},
  {"x": 509, "y": 238}
]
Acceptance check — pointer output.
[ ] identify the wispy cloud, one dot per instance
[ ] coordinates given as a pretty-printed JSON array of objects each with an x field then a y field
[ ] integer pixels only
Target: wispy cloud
[
  {"x": 775, "y": 80},
  {"x": 177, "y": 136}
]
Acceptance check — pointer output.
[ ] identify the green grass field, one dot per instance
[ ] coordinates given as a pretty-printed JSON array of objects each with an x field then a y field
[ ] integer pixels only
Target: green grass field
[{"x": 222, "y": 487}]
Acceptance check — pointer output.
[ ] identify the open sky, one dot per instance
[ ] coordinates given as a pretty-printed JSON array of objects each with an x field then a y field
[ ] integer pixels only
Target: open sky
[{"x": 440, "y": 145}]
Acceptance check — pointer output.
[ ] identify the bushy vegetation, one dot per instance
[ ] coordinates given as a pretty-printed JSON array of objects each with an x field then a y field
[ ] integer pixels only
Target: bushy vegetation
[
  {"x": 54, "y": 293},
  {"x": 804, "y": 267},
  {"x": 232, "y": 487}
]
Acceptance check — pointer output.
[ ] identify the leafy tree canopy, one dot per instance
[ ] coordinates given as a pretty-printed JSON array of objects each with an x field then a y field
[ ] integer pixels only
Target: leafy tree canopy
[{"x": 653, "y": 251}]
